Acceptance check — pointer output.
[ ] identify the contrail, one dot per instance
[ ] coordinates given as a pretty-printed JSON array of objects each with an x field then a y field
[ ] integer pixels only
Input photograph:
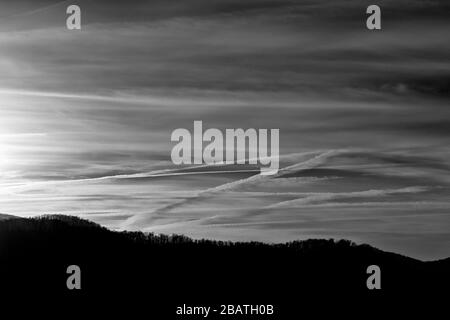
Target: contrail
[
  {"x": 151, "y": 174},
  {"x": 230, "y": 186},
  {"x": 311, "y": 198}
]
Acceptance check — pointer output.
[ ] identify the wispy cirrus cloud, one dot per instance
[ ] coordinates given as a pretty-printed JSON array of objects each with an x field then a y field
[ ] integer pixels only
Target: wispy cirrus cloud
[{"x": 86, "y": 117}]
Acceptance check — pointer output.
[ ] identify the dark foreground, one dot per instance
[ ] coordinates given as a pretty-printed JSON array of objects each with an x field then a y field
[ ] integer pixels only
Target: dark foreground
[{"x": 130, "y": 273}]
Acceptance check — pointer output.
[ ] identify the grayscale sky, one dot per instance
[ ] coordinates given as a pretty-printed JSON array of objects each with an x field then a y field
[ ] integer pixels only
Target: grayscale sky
[{"x": 86, "y": 117}]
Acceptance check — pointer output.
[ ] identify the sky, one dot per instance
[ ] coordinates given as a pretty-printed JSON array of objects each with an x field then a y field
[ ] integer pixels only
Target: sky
[{"x": 86, "y": 117}]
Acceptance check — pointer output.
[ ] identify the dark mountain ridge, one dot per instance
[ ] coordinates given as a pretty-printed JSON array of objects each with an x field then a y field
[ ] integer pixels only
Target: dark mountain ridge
[{"x": 135, "y": 266}]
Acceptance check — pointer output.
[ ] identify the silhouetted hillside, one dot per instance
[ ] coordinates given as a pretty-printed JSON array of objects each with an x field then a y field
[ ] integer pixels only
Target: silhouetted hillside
[
  {"x": 165, "y": 271},
  {"x": 7, "y": 216}
]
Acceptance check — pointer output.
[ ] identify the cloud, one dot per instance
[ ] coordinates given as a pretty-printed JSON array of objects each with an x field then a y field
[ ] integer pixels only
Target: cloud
[
  {"x": 86, "y": 117},
  {"x": 325, "y": 197}
]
